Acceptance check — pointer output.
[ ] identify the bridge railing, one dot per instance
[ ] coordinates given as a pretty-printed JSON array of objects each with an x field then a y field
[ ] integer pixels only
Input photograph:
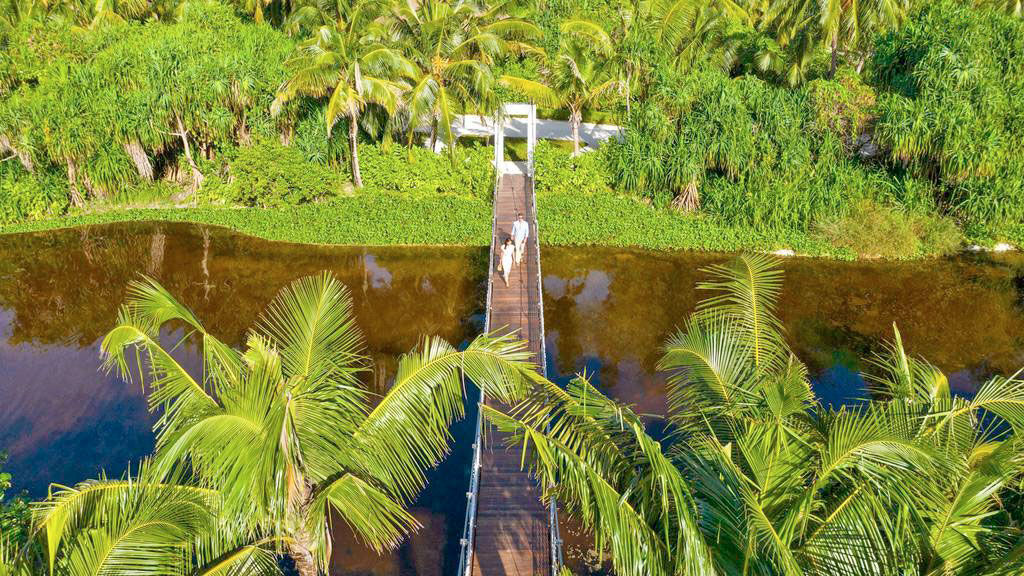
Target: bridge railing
[
  {"x": 555, "y": 544},
  {"x": 473, "y": 494}
]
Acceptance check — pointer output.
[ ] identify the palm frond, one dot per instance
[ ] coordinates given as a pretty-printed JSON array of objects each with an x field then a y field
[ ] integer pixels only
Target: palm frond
[
  {"x": 617, "y": 526},
  {"x": 589, "y": 32},
  {"x": 140, "y": 524},
  {"x": 536, "y": 91},
  {"x": 747, "y": 288},
  {"x": 429, "y": 390},
  {"x": 312, "y": 322},
  {"x": 373, "y": 516}
]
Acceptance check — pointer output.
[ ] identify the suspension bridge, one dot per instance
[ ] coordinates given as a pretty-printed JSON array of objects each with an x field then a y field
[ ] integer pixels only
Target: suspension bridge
[{"x": 509, "y": 529}]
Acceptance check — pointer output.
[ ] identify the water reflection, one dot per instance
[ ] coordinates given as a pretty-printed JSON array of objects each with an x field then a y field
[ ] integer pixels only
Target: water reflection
[{"x": 609, "y": 312}]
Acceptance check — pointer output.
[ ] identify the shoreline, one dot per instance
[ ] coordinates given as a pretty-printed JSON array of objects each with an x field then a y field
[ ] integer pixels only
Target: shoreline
[{"x": 313, "y": 225}]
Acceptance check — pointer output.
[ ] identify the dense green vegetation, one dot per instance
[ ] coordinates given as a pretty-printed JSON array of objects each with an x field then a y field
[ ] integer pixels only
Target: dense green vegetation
[
  {"x": 751, "y": 474},
  {"x": 14, "y": 519},
  {"x": 360, "y": 219},
  {"x": 769, "y": 124}
]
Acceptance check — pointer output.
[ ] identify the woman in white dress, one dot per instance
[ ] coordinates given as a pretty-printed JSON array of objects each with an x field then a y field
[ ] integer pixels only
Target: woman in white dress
[{"x": 508, "y": 254}]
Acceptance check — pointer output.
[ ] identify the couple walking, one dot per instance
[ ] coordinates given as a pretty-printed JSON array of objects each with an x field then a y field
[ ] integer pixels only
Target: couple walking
[{"x": 514, "y": 247}]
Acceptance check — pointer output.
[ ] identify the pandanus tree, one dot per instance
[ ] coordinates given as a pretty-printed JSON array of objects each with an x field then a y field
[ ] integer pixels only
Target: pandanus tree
[
  {"x": 453, "y": 45},
  {"x": 260, "y": 449},
  {"x": 580, "y": 76},
  {"x": 348, "y": 63},
  {"x": 756, "y": 477}
]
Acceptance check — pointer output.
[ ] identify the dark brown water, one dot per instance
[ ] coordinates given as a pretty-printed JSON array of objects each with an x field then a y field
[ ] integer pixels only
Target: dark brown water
[
  {"x": 606, "y": 311},
  {"x": 609, "y": 311}
]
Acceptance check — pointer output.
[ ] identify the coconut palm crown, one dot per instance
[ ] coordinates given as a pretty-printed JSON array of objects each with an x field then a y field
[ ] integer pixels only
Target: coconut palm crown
[
  {"x": 348, "y": 62},
  {"x": 580, "y": 76},
  {"x": 453, "y": 45},
  {"x": 256, "y": 453}
]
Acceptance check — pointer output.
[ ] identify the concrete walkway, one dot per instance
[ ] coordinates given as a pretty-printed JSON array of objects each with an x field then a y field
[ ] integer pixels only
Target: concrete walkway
[{"x": 591, "y": 134}]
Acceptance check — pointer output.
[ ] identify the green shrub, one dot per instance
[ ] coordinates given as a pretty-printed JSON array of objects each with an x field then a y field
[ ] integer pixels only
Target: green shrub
[
  {"x": 950, "y": 108},
  {"x": 25, "y": 196},
  {"x": 419, "y": 171},
  {"x": 557, "y": 172},
  {"x": 874, "y": 231},
  {"x": 311, "y": 138},
  {"x": 268, "y": 174},
  {"x": 842, "y": 107},
  {"x": 146, "y": 193},
  {"x": 939, "y": 235}
]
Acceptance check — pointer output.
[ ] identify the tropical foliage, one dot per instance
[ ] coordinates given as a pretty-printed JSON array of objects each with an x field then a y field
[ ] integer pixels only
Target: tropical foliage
[
  {"x": 348, "y": 63},
  {"x": 950, "y": 109},
  {"x": 755, "y": 476},
  {"x": 577, "y": 77},
  {"x": 14, "y": 520},
  {"x": 453, "y": 46},
  {"x": 784, "y": 117},
  {"x": 257, "y": 452}
]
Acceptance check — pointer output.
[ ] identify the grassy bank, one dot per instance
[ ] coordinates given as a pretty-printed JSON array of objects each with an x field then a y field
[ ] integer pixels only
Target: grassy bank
[
  {"x": 361, "y": 219},
  {"x": 370, "y": 219},
  {"x": 395, "y": 219},
  {"x": 609, "y": 220}
]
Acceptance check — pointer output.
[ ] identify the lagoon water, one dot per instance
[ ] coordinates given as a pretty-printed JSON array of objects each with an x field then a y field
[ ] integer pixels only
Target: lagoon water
[{"x": 607, "y": 312}]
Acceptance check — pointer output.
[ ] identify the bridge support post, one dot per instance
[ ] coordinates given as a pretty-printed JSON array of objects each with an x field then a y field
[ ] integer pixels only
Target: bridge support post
[
  {"x": 528, "y": 112},
  {"x": 531, "y": 139}
]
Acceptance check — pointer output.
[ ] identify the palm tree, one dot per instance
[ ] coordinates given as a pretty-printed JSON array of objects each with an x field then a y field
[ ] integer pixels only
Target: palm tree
[
  {"x": 348, "y": 61},
  {"x": 840, "y": 25},
  {"x": 284, "y": 432},
  {"x": 453, "y": 45},
  {"x": 756, "y": 477},
  {"x": 579, "y": 77}
]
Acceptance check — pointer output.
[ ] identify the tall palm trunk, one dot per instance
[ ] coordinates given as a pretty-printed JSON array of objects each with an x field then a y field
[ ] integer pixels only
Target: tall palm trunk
[
  {"x": 301, "y": 553},
  {"x": 353, "y": 144},
  {"x": 575, "y": 117},
  {"x": 629, "y": 93},
  {"x": 835, "y": 57}
]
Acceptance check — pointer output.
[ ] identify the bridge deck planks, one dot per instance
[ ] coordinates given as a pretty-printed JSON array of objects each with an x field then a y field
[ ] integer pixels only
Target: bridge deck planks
[{"x": 512, "y": 533}]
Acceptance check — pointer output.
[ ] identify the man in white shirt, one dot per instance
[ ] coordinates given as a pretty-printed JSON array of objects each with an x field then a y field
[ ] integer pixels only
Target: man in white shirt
[{"x": 520, "y": 232}]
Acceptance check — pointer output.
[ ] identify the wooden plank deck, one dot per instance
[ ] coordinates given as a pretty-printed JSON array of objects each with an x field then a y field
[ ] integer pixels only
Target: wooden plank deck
[{"x": 512, "y": 532}]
